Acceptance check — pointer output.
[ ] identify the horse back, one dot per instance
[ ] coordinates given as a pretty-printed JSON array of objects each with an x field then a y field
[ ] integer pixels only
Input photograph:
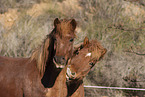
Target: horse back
[{"x": 19, "y": 78}]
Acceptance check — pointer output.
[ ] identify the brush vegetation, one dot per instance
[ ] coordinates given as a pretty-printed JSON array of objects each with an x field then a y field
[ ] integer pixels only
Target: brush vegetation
[{"x": 118, "y": 24}]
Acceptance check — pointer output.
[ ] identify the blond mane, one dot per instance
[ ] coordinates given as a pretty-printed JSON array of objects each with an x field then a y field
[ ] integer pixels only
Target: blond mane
[{"x": 40, "y": 55}]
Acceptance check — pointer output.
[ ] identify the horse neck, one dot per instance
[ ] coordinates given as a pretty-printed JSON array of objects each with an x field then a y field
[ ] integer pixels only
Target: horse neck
[
  {"x": 50, "y": 75},
  {"x": 73, "y": 86},
  {"x": 59, "y": 89},
  {"x": 61, "y": 79}
]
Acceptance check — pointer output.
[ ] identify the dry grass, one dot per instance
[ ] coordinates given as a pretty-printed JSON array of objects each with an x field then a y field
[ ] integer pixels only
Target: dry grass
[{"x": 117, "y": 24}]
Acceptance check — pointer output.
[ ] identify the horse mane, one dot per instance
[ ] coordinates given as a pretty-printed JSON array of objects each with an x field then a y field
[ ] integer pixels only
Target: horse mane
[
  {"x": 40, "y": 55},
  {"x": 93, "y": 44},
  {"x": 68, "y": 25}
]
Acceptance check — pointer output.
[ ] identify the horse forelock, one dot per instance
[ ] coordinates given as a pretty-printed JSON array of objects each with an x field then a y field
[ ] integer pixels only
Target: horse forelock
[
  {"x": 65, "y": 28},
  {"x": 93, "y": 49},
  {"x": 96, "y": 49},
  {"x": 94, "y": 44}
]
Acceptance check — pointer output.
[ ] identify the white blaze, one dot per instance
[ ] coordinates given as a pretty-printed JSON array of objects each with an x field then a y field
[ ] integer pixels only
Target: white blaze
[{"x": 88, "y": 54}]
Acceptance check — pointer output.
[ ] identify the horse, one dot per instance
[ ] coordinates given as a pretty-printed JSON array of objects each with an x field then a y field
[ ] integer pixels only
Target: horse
[
  {"x": 83, "y": 59},
  {"x": 33, "y": 76},
  {"x": 69, "y": 81}
]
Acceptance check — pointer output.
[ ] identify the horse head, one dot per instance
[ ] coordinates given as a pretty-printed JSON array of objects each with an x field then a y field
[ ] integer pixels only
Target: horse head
[
  {"x": 63, "y": 37},
  {"x": 84, "y": 58}
]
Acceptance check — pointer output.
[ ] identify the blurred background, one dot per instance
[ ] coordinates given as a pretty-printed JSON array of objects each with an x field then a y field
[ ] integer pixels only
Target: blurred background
[{"x": 118, "y": 24}]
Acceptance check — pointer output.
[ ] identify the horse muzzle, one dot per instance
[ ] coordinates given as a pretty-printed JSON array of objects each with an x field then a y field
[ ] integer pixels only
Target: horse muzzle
[
  {"x": 60, "y": 62},
  {"x": 69, "y": 74}
]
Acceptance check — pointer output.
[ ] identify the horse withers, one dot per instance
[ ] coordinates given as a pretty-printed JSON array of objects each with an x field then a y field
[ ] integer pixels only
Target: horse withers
[{"x": 32, "y": 77}]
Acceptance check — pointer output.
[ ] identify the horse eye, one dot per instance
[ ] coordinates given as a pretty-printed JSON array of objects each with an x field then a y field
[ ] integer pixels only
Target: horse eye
[
  {"x": 77, "y": 53},
  {"x": 54, "y": 39},
  {"x": 91, "y": 63},
  {"x": 71, "y": 40},
  {"x": 73, "y": 73}
]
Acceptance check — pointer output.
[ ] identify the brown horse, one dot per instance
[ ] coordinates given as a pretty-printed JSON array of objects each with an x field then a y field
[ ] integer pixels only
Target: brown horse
[
  {"x": 84, "y": 58},
  {"x": 32, "y": 77},
  {"x": 69, "y": 81}
]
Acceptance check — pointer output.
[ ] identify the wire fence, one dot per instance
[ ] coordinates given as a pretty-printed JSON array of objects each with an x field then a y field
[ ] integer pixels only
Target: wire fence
[{"x": 116, "y": 88}]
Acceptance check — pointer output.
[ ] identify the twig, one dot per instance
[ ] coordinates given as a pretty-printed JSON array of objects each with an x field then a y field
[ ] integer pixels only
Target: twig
[
  {"x": 132, "y": 51},
  {"x": 141, "y": 2},
  {"x": 120, "y": 27}
]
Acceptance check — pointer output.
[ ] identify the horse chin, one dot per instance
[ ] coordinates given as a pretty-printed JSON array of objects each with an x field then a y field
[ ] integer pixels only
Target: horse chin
[
  {"x": 69, "y": 75},
  {"x": 68, "y": 78},
  {"x": 57, "y": 64}
]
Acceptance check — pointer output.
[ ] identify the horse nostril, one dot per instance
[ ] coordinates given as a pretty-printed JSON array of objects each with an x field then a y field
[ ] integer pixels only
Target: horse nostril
[
  {"x": 63, "y": 59},
  {"x": 73, "y": 73}
]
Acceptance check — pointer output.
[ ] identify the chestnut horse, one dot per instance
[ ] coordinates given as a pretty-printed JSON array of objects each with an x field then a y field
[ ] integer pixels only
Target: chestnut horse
[
  {"x": 33, "y": 77},
  {"x": 84, "y": 58},
  {"x": 69, "y": 81}
]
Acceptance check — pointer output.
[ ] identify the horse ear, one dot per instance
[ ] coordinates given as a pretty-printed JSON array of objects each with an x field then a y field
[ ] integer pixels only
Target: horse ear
[
  {"x": 73, "y": 23},
  {"x": 86, "y": 41},
  {"x": 56, "y": 21}
]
